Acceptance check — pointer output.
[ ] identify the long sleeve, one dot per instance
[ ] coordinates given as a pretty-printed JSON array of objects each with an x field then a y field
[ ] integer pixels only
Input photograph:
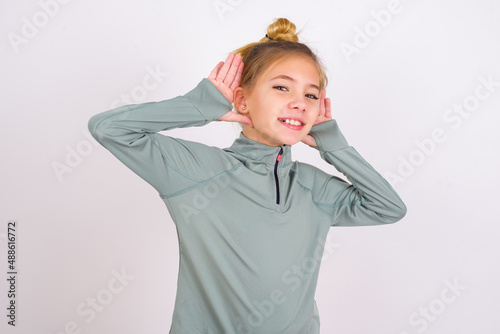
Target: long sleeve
[
  {"x": 168, "y": 164},
  {"x": 368, "y": 200}
]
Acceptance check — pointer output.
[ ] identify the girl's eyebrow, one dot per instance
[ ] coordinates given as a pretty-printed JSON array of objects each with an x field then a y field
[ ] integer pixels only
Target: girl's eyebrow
[{"x": 286, "y": 77}]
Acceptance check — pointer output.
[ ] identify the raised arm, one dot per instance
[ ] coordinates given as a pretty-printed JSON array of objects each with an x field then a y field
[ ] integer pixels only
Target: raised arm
[
  {"x": 369, "y": 199},
  {"x": 168, "y": 164}
]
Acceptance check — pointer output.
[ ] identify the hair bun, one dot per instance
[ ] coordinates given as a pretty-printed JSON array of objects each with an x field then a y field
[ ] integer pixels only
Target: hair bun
[{"x": 282, "y": 30}]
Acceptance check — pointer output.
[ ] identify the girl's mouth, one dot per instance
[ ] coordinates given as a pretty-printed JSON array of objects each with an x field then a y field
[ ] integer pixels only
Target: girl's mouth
[{"x": 291, "y": 123}]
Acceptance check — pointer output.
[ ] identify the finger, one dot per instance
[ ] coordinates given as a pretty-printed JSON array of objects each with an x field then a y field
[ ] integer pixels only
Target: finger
[
  {"x": 323, "y": 94},
  {"x": 247, "y": 121},
  {"x": 328, "y": 108},
  {"x": 237, "y": 79},
  {"x": 242, "y": 119},
  {"x": 322, "y": 104},
  {"x": 309, "y": 140},
  {"x": 215, "y": 71},
  {"x": 225, "y": 68},
  {"x": 234, "y": 117},
  {"x": 233, "y": 70}
]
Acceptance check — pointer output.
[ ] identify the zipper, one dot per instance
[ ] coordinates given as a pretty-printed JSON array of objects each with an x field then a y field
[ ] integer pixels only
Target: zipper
[{"x": 276, "y": 177}]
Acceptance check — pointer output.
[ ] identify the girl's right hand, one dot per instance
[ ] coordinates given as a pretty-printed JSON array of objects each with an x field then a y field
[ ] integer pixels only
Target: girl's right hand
[{"x": 226, "y": 77}]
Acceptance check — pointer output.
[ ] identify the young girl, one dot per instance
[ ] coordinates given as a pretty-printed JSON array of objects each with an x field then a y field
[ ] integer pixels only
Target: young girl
[{"x": 251, "y": 222}]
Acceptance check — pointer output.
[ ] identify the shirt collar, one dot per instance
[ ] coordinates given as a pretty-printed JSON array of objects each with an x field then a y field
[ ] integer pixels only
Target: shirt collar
[{"x": 254, "y": 150}]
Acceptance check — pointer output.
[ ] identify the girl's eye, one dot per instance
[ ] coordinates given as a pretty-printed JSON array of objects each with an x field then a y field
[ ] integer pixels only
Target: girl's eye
[
  {"x": 283, "y": 88},
  {"x": 280, "y": 88}
]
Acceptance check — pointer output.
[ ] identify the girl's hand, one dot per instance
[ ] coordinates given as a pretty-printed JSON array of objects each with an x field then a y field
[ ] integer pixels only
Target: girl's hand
[
  {"x": 324, "y": 115},
  {"x": 226, "y": 77}
]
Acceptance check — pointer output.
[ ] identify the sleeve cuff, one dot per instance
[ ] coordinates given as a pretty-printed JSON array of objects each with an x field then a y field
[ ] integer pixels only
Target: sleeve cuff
[
  {"x": 328, "y": 136},
  {"x": 209, "y": 100}
]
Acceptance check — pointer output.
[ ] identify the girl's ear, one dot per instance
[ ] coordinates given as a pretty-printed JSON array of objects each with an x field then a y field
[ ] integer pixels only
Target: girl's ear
[{"x": 240, "y": 101}]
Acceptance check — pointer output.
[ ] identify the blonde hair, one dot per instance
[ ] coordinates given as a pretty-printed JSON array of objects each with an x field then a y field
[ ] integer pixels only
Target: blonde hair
[{"x": 280, "y": 41}]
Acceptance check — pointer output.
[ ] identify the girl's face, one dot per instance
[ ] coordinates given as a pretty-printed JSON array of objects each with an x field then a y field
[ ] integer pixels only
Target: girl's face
[{"x": 284, "y": 102}]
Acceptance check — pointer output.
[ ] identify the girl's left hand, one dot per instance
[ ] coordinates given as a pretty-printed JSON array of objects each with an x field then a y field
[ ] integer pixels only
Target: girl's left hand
[{"x": 324, "y": 115}]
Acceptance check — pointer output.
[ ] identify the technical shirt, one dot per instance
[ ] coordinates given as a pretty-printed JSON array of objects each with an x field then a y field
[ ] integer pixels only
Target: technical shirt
[{"x": 251, "y": 222}]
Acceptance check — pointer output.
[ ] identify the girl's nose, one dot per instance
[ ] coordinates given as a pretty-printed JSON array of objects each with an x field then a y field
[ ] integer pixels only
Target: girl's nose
[{"x": 298, "y": 102}]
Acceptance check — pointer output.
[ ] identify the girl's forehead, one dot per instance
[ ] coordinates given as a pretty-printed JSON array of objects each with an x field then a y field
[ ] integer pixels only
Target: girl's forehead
[{"x": 292, "y": 66}]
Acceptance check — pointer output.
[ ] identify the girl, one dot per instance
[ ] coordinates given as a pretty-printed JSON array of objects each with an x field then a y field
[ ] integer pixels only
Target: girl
[{"x": 251, "y": 222}]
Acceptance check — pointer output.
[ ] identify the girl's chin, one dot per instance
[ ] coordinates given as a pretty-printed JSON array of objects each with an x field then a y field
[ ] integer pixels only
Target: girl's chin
[
  {"x": 289, "y": 139},
  {"x": 283, "y": 139},
  {"x": 292, "y": 141}
]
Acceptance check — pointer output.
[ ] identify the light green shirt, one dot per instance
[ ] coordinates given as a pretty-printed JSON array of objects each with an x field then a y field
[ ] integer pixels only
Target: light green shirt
[{"x": 251, "y": 229}]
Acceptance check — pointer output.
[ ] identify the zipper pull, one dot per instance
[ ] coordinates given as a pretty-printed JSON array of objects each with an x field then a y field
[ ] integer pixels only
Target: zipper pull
[
  {"x": 276, "y": 178},
  {"x": 278, "y": 158}
]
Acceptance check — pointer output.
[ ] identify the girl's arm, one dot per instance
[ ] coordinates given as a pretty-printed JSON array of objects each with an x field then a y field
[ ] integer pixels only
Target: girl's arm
[
  {"x": 369, "y": 199},
  {"x": 168, "y": 164}
]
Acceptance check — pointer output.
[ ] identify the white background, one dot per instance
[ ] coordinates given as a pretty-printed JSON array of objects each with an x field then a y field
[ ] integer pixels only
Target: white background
[{"x": 82, "y": 216}]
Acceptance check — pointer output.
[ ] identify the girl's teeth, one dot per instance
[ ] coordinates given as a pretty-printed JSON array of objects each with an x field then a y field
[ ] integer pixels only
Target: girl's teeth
[{"x": 293, "y": 122}]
